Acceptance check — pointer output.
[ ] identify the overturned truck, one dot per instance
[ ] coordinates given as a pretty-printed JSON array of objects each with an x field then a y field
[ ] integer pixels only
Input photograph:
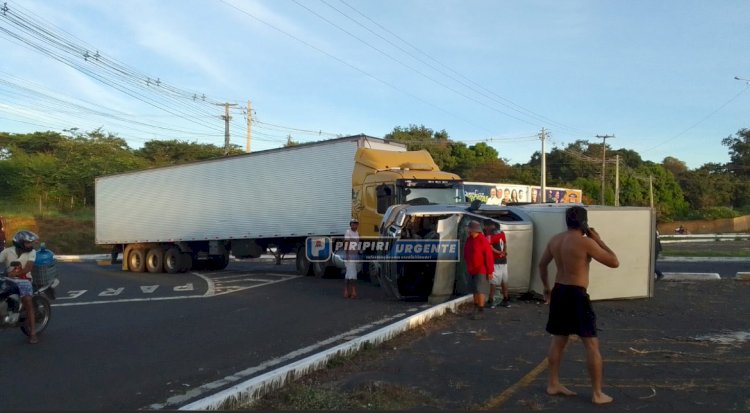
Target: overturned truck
[{"x": 629, "y": 231}]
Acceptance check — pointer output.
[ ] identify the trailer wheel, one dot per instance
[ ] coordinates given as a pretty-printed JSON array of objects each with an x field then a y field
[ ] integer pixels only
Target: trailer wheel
[
  {"x": 172, "y": 260},
  {"x": 303, "y": 264},
  {"x": 137, "y": 260},
  {"x": 218, "y": 262},
  {"x": 155, "y": 260},
  {"x": 186, "y": 262}
]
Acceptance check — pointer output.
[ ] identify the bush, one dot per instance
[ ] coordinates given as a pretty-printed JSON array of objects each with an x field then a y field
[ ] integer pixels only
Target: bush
[{"x": 709, "y": 213}]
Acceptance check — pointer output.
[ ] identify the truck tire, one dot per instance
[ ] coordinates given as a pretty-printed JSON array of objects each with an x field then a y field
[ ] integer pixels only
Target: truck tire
[
  {"x": 155, "y": 260},
  {"x": 172, "y": 261},
  {"x": 137, "y": 260},
  {"x": 319, "y": 269},
  {"x": 303, "y": 264},
  {"x": 218, "y": 262},
  {"x": 186, "y": 262}
]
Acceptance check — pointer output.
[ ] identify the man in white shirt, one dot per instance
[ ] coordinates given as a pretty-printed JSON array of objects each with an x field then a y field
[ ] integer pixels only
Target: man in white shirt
[
  {"x": 350, "y": 288},
  {"x": 22, "y": 252}
]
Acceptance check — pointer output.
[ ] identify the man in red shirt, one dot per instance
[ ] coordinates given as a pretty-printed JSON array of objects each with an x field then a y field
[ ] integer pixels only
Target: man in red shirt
[
  {"x": 499, "y": 246},
  {"x": 479, "y": 265}
]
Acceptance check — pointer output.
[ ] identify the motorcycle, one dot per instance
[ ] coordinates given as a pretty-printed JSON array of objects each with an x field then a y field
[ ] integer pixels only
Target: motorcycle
[{"x": 12, "y": 312}]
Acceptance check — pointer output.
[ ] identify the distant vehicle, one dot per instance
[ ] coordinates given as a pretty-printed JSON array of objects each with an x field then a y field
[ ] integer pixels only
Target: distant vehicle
[{"x": 176, "y": 218}]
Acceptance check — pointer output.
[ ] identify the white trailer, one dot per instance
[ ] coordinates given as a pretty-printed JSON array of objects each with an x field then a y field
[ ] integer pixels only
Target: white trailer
[{"x": 175, "y": 217}]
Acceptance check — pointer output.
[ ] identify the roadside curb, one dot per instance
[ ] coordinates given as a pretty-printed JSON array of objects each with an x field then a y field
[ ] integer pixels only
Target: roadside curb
[
  {"x": 704, "y": 259},
  {"x": 742, "y": 276},
  {"x": 258, "y": 386},
  {"x": 690, "y": 276}
]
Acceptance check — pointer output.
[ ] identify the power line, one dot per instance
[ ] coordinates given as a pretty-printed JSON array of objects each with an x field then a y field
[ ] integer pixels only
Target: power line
[
  {"x": 725, "y": 104},
  {"x": 477, "y": 88},
  {"x": 362, "y": 71},
  {"x": 426, "y": 76}
]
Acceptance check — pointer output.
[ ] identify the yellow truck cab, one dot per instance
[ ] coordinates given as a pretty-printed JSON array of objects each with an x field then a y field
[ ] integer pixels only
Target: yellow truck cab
[{"x": 382, "y": 178}]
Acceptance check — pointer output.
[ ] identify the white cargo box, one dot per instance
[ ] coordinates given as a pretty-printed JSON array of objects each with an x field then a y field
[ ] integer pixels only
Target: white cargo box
[
  {"x": 297, "y": 191},
  {"x": 628, "y": 231}
]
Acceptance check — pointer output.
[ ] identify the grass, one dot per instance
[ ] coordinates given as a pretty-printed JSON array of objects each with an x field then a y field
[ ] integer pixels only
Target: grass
[
  {"x": 368, "y": 396},
  {"x": 64, "y": 233}
]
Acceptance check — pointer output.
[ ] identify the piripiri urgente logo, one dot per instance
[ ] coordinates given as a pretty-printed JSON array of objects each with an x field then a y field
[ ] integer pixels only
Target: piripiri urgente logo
[{"x": 366, "y": 249}]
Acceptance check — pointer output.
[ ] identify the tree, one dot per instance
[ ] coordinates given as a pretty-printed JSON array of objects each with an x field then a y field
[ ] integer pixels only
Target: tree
[
  {"x": 172, "y": 152},
  {"x": 437, "y": 144},
  {"x": 739, "y": 152},
  {"x": 674, "y": 165},
  {"x": 290, "y": 142}
]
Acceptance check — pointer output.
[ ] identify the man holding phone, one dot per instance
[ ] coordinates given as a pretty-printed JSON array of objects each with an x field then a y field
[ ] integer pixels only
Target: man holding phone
[{"x": 570, "y": 310}]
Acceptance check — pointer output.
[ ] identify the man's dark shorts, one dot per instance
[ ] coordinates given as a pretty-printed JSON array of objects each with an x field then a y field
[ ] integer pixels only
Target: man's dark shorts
[
  {"x": 570, "y": 312},
  {"x": 480, "y": 284}
]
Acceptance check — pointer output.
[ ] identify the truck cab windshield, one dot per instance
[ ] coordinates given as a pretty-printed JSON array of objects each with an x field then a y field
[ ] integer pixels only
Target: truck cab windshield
[
  {"x": 434, "y": 192},
  {"x": 433, "y": 195}
]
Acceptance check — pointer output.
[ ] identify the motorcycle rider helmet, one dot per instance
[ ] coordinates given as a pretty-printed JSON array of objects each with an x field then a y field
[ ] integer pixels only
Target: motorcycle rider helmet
[{"x": 21, "y": 238}]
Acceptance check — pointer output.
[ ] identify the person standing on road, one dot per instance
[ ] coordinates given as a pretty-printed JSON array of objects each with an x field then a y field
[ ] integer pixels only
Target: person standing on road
[
  {"x": 479, "y": 266},
  {"x": 499, "y": 246},
  {"x": 570, "y": 310},
  {"x": 23, "y": 253},
  {"x": 350, "y": 278}
]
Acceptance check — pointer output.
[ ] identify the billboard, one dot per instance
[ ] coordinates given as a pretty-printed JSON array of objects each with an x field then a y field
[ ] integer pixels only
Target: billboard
[
  {"x": 502, "y": 194},
  {"x": 557, "y": 195},
  {"x": 496, "y": 193}
]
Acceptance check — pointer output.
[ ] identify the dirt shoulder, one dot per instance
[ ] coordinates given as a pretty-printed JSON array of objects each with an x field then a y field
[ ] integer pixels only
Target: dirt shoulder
[{"x": 686, "y": 348}]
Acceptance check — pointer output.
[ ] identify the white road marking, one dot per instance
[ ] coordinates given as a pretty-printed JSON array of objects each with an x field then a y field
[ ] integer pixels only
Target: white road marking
[
  {"x": 211, "y": 291},
  {"x": 148, "y": 289},
  {"x": 186, "y": 287},
  {"x": 111, "y": 292},
  {"x": 73, "y": 294}
]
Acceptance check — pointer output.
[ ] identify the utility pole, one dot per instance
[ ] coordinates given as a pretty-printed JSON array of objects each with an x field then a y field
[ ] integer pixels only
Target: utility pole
[
  {"x": 651, "y": 189},
  {"x": 249, "y": 124},
  {"x": 604, "y": 160},
  {"x": 226, "y": 118},
  {"x": 541, "y": 199},
  {"x": 617, "y": 180}
]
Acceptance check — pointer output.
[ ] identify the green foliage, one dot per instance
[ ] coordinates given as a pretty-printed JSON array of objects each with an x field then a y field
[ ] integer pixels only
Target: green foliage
[
  {"x": 739, "y": 152},
  {"x": 51, "y": 171},
  {"x": 710, "y": 213},
  {"x": 160, "y": 153}
]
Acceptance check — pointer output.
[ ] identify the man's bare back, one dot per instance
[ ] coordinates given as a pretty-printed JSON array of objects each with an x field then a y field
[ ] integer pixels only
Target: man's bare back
[{"x": 572, "y": 253}]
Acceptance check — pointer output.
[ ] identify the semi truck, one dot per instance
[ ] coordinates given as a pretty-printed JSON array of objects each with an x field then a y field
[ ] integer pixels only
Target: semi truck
[{"x": 194, "y": 215}]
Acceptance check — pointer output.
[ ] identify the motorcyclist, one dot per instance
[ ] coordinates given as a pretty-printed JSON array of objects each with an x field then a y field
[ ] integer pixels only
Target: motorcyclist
[{"x": 22, "y": 252}]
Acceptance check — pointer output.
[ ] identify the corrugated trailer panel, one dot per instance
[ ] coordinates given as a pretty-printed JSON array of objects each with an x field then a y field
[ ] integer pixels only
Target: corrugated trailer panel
[
  {"x": 291, "y": 192},
  {"x": 628, "y": 231}
]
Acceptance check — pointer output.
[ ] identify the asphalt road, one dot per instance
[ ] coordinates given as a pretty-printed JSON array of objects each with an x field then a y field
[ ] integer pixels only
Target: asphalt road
[
  {"x": 725, "y": 269},
  {"x": 130, "y": 341},
  {"x": 121, "y": 340}
]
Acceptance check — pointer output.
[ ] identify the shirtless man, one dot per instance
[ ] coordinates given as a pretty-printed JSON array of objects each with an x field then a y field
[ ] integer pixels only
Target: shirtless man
[{"x": 570, "y": 310}]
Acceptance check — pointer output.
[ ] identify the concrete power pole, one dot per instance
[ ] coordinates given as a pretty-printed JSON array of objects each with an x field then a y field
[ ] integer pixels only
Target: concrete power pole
[
  {"x": 617, "y": 180},
  {"x": 651, "y": 189},
  {"x": 604, "y": 159},
  {"x": 249, "y": 124},
  {"x": 226, "y": 118},
  {"x": 541, "y": 199}
]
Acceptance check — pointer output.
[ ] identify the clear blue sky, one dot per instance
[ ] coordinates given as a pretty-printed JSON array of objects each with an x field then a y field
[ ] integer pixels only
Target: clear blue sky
[{"x": 659, "y": 75}]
